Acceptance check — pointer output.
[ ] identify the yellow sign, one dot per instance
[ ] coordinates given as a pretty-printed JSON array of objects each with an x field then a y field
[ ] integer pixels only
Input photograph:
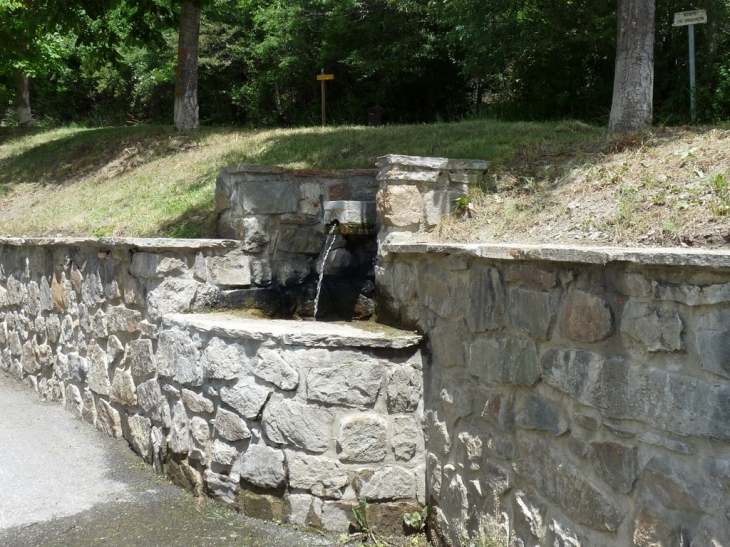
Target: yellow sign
[{"x": 321, "y": 77}]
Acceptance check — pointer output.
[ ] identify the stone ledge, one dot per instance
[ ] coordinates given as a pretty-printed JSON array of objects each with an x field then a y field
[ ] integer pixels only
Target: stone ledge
[
  {"x": 148, "y": 244},
  {"x": 432, "y": 163},
  {"x": 274, "y": 169},
  {"x": 295, "y": 333},
  {"x": 565, "y": 253}
]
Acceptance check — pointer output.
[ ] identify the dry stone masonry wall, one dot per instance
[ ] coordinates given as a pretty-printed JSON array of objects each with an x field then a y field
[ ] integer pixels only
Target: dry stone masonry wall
[{"x": 573, "y": 397}]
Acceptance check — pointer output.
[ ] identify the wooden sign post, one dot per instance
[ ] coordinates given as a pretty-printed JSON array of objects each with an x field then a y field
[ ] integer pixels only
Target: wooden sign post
[
  {"x": 323, "y": 79},
  {"x": 690, "y": 19}
]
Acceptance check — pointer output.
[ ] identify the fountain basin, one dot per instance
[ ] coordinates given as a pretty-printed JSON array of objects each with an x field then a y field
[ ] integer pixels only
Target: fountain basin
[{"x": 354, "y": 217}]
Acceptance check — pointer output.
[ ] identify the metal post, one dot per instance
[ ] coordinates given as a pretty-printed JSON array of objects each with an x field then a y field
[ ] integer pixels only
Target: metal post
[
  {"x": 324, "y": 103},
  {"x": 692, "y": 105}
]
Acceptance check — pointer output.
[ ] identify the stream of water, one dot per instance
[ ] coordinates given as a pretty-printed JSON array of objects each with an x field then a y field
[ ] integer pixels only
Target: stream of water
[{"x": 327, "y": 246}]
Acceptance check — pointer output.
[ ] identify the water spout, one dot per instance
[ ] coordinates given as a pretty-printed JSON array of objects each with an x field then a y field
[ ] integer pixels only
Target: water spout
[{"x": 327, "y": 248}]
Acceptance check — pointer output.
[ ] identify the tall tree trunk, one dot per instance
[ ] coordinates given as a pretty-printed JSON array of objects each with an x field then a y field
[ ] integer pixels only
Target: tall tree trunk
[
  {"x": 22, "y": 88},
  {"x": 186, "y": 82},
  {"x": 633, "y": 84}
]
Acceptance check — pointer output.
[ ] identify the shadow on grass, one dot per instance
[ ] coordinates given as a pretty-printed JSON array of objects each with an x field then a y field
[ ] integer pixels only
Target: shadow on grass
[{"x": 78, "y": 154}]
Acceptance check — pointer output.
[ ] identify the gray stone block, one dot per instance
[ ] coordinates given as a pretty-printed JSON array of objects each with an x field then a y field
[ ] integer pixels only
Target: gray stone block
[
  {"x": 654, "y": 328},
  {"x": 713, "y": 341},
  {"x": 405, "y": 388},
  {"x": 542, "y": 415},
  {"x": 271, "y": 197},
  {"x": 123, "y": 391},
  {"x": 296, "y": 239},
  {"x": 223, "y": 359},
  {"x": 108, "y": 420},
  {"x": 291, "y": 423},
  {"x": 322, "y": 476},
  {"x": 616, "y": 463},
  {"x": 511, "y": 361},
  {"x": 179, "y": 358},
  {"x": 487, "y": 300},
  {"x": 141, "y": 358},
  {"x": 407, "y": 437},
  {"x": 153, "y": 402},
  {"x": 389, "y": 483},
  {"x": 246, "y": 398},
  {"x": 345, "y": 377},
  {"x": 230, "y": 426},
  {"x": 532, "y": 311},
  {"x": 363, "y": 438},
  {"x": 262, "y": 466},
  {"x": 274, "y": 366},
  {"x": 196, "y": 402}
]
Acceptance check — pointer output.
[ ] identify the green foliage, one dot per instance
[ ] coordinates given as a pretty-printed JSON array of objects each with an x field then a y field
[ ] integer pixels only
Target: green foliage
[{"x": 416, "y": 521}]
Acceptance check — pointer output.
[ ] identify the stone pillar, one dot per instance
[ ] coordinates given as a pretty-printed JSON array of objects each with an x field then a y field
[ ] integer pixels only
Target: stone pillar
[{"x": 415, "y": 192}]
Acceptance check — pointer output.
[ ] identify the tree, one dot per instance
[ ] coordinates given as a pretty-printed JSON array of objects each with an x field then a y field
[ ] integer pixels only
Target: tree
[
  {"x": 187, "y": 116},
  {"x": 633, "y": 85}
]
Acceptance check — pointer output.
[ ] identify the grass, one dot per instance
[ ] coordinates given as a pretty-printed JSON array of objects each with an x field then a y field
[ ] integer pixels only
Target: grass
[{"x": 150, "y": 181}]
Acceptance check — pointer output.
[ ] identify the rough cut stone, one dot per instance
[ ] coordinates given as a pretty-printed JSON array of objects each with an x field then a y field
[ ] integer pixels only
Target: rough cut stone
[
  {"x": 223, "y": 361},
  {"x": 221, "y": 487},
  {"x": 449, "y": 344},
  {"x": 73, "y": 402},
  {"x": 399, "y": 205},
  {"x": 141, "y": 358},
  {"x": 304, "y": 426},
  {"x": 532, "y": 311},
  {"x": 121, "y": 319},
  {"x": 407, "y": 437},
  {"x": 246, "y": 398},
  {"x": 713, "y": 341},
  {"x": 179, "y": 358},
  {"x": 108, "y": 420},
  {"x": 92, "y": 290},
  {"x": 255, "y": 234},
  {"x": 230, "y": 426},
  {"x": 262, "y": 466},
  {"x": 155, "y": 266},
  {"x": 437, "y": 432},
  {"x": 78, "y": 367},
  {"x": 566, "y": 486},
  {"x": 587, "y": 318},
  {"x": 223, "y": 453},
  {"x": 274, "y": 197},
  {"x": 99, "y": 325},
  {"x": 405, "y": 388},
  {"x": 456, "y": 394},
  {"x": 676, "y": 486},
  {"x": 363, "y": 438},
  {"x": 322, "y": 476},
  {"x": 197, "y": 403},
  {"x": 390, "y": 483},
  {"x": 469, "y": 450},
  {"x": 616, "y": 463},
  {"x": 347, "y": 378},
  {"x": 510, "y": 361},
  {"x": 441, "y": 290},
  {"x": 200, "y": 440},
  {"x": 88, "y": 410},
  {"x": 541, "y": 414},
  {"x": 98, "y": 378},
  {"x": 173, "y": 295},
  {"x": 231, "y": 270},
  {"x": 114, "y": 349},
  {"x": 295, "y": 239},
  {"x": 273, "y": 366},
  {"x": 29, "y": 360},
  {"x": 179, "y": 439},
  {"x": 123, "y": 391},
  {"x": 655, "y": 329},
  {"x": 153, "y": 402},
  {"x": 140, "y": 431},
  {"x": 486, "y": 296}
]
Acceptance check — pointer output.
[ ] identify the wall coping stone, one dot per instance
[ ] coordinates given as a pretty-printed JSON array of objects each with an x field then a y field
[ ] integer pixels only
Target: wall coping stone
[
  {"x": 147, "y": 244},
  {"x": 432, "y": 163},
  {"x": 670, "y": 256},
  {"x": 275, "y": 169},
  {"x": 295, "y": 333}
]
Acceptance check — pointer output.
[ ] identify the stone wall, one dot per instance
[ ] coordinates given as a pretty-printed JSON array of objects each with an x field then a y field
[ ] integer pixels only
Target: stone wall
[
  {"x": 573, "y": 396},
  {"x": 279, "y": 216},
  {"x": 286, "y": 420}
]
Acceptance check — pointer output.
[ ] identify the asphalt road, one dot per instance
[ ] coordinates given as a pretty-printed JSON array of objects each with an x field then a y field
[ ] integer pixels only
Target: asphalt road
[{"x": 64, "y": 484}]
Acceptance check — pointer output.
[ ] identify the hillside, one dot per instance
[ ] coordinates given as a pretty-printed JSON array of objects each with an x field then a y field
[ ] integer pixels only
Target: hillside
[{"x": 550, "y": 182}]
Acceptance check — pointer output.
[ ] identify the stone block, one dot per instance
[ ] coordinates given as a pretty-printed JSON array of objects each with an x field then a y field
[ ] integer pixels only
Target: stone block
[
  {"x": 486, "y": 298},
  {"x": 255, "y": 233},
  {"x": 273, "y": 197},
  {"x": 504, "y": 360},
  {"x": 653, "y": 530},
  {"x": 173, "y": 295},
  {"x": 400, "y": 206},
  {"x": 291, "y": 423},
  {"x": 407, "y": 437},
  {"x": 139, "y": 438},
  {"x": 290, "y": 269},
  {"x": 179, "y": 439},
  {"x": 346, "y": 378},
  {"x": 449, "y": 344},
  {"x": 542, "y": 415},
  {"x": 182, "y": 474},
  {"x": 155, "y": 266},
  {"x": 530, "y": 518},
  {"x": 222, "y": 360},
  {"x": 456, "y": 396},
  {"x": 296, "y": 239},
  {"x": 274, "y": 366},
  {"x": 713, "y": 341},
  {"x": 438, "y": 436},
  {"x": 246, "y": 397},
  {"x": 616, "y": 463},
  {"x": 200, "y": 440},
  {"x": 221, "y": 487},
  {"x": 670, "y": 444},
  {"x": 565, "y": 485},
  {"x": 677, "y": 486},
  {"x": 231, "y": 270},
  {"x": 389, "y": 483},
  {"x": 441, "y": 290},
  {"x": 141, "y": 358},
  {"x": 153, "y": 402},
  {"x": 78, "y": 367},
  {"x": 586, "y": 317},
  {"x": 497, "y": 407},
  {"x": 262, "y": 466},
  {"x": 178, "y": 357},
  {"x": 532, "y": 311},
  {"x": 469, "y": 449},
  {"x": 223, "y": 453},
  {"x": 261, "y": 506},
  {"x": 363, "y": 438},
  {"x": 322, "y": 476},
  {"x": 405, "y": 388},
  {"x": 653, "y": 328},
  {"x": 108, "y": 420},
  {"x": 114, "y": 350},
  {"x": 73, "y": 402},
  {"x": 88, "y": 410},
  {"x": 121, "y": 319},
  {"x": 230, "y": 426},
  {"x": 196, "y": 402},
  {"x": 123, "y": 391}
]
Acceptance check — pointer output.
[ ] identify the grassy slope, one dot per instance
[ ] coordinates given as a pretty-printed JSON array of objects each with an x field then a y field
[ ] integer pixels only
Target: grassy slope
[
  {"x": 150, "y": 181},
  {"x": 549, "y": 182}
]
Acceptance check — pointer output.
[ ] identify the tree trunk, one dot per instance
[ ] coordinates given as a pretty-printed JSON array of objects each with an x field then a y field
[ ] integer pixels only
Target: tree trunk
[
  {"x": 186, "y": 82},
  {"x": 22, "y": 87},
  {"x": 633, "y": 84}
]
